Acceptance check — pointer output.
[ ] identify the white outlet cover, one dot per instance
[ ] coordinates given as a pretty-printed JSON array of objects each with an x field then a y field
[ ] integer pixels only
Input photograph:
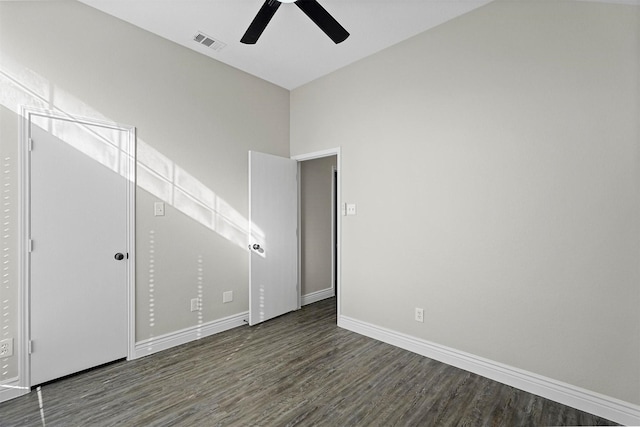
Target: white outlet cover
[
  {"x": 227, "y": 296},
  {"x": 6, "y": 348},
  {"x": 351, "y": 209}
]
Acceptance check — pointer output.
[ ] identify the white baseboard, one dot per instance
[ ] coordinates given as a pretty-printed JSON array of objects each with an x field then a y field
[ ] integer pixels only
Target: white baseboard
[
  {"x": 164, "y": 342},
  {"x": 317, "y": 296},
  {"x": 11, "y": 389},
  {"x": 594, "y": 403}
]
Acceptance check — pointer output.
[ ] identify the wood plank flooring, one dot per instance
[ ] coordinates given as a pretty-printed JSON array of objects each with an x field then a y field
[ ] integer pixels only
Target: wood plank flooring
[{"x": 296, "y": 370}]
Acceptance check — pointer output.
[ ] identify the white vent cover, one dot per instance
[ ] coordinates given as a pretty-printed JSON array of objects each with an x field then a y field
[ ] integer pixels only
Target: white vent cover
[{"x": 208, "y": 41}]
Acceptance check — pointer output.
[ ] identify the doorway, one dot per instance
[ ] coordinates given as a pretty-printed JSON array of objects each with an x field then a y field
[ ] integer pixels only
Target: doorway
[
  {"x": 319, "y": 226},
  {"x": 277, "y": 226},
  {"x": 78, "y": 226}
]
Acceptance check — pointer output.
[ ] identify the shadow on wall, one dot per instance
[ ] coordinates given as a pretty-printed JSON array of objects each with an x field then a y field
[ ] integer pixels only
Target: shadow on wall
[{"x": 156, "y": 173}]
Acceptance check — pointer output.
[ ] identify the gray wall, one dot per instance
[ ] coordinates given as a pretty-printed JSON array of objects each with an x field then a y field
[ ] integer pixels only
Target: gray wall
[
  {"x": 315, "y": 212},
  {"x": 494, "y": 163},
  {"x": 196, "y": 120}
]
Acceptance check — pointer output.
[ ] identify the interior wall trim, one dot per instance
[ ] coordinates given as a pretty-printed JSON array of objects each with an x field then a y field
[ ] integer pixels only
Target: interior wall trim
[
  {"x": 317, "y": 296},
  {"x": 163, "y": 342},
  {"x": 11, "y": 389},
  {"x": 585, "y": 400}
]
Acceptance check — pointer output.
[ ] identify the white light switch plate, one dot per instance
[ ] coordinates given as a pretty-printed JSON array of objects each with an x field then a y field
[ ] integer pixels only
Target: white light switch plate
[{"x": 158, "y": 209}]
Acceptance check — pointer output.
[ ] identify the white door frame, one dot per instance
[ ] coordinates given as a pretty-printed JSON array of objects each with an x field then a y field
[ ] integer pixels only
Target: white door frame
[
  {"x": 128, "y": 158},
  {"x": 336, "y": 269}
]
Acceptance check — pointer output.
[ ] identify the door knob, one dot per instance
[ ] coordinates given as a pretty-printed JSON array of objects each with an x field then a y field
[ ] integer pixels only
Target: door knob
[
  {"x": 256, "y": 246},
  {"x": 119, "y": 256}
]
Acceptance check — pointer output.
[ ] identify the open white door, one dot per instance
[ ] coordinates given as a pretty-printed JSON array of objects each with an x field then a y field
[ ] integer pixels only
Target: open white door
[
  {"x": 273, "y": 244},
  {"x": 78, "y": 265}
]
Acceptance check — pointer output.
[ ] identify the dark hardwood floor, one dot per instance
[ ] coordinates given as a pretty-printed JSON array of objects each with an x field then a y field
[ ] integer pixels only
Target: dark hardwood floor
[{"x": 298, "y": 369}]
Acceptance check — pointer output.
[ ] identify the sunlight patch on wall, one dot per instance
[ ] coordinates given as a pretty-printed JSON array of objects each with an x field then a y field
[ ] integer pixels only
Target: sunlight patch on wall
[
  {"x": 156, "y": 173},
  {"x": 21, "y": 86},
  {"x": 169, "y": 182}
]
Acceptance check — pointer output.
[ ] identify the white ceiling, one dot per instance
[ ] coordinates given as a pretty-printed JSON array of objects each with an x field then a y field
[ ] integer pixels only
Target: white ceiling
[{"x": 292, "y": 50}]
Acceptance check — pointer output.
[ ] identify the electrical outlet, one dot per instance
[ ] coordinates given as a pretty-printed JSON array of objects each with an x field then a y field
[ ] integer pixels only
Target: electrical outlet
[
  {"x": 196, "y": 304},
  {"x": 6, "y": 348},
  {"x": 419, "y": 315},
  {"x": 227, "y": 296}
]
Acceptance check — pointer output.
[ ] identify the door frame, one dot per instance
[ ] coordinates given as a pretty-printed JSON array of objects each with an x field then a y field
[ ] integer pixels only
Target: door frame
[
  {"x": 336, "y": 202},
  {"x": 128, "y": 154}
]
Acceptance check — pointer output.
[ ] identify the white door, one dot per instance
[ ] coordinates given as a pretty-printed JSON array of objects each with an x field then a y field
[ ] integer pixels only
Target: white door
[
  {"x": 78, "y": 299},
  {"x": 273, "y": 218}
]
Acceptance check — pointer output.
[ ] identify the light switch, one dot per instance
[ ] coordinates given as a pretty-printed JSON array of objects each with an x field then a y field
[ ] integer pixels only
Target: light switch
[
  {"x": 351, "y": 209},
  {"x": 158, "y": 209}
]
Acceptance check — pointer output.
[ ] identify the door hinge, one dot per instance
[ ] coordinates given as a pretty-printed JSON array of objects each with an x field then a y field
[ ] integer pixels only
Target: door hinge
[
  {"x": 30, "y": 347},
  {"x": 30, "y": 146},
  {"x": 30, "y": 245}
]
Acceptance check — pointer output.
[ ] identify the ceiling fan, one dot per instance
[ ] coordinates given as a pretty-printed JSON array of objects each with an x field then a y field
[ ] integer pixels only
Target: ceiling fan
[{"x": 311, "y": 8}]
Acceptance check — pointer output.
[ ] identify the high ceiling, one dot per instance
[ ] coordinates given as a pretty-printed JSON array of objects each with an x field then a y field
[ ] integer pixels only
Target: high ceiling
[{"x": 292, "y": 50}]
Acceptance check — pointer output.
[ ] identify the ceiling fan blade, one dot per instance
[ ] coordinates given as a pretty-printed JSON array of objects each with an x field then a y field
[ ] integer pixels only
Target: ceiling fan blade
[
  {"x": 326, "y": 22},
  {"x": 260, "y": 22}
]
